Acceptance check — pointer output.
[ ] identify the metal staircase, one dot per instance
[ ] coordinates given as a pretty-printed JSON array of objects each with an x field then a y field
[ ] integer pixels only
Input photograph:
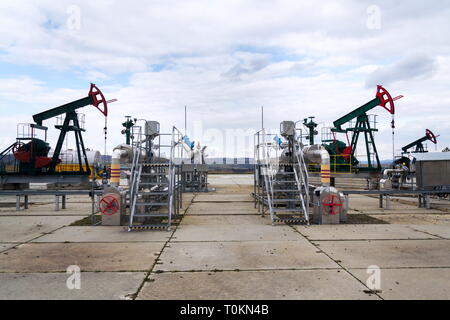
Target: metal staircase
[
  {"x": 155, "y": 193},
  {"x": 281, "y": 188}
]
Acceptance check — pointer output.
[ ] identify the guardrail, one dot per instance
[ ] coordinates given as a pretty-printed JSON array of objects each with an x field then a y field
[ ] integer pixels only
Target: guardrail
[
  {"x": 57, "y": 193},
  {"x": 424, "y": 200}
]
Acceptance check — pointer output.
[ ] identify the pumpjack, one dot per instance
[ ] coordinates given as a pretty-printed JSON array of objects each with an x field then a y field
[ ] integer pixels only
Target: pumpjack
[
  {"x": 343, "y": 155},
  {"x": 29, "y": 158},
  {"x": 418, "y": 144},
  {"x": 404, "y": 160}
]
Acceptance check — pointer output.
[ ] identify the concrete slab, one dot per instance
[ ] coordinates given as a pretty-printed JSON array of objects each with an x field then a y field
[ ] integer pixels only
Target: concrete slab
[
  {"x": 21, "y": 229},
  {"x": 221, "y": 208},
  {"x": 217, "y": 197},
  {"x": 232, "y": 189},
  {"x": 194, "y": 212},
  {"x": 225, "y": 220},
  {"x": 250, "y": 255},
  {"x": 230, "y": 179},
  {"x": 231, "y": 228},
  {"x": 188, "y": 196},
  {"x": 81, "y": 209},
  {"x": 413, "y": 210},
  {"x": 361, "y": 232},
  {"x": 254, "y": 285},
  {"x": 56, "y": 257},
  {"x": 52, "y": 286},
  {"x": 389, "y": 253},
  {"x": 101, "y": 234},
  {"x": 234, "y": 233},
  {"x": 417, "y": 284},
  {"x": 215, "y": 209},
  {"x": 442, "y": 231},
  {"x": 415, "y": 219},
  {"x": 6, "y": 246}
]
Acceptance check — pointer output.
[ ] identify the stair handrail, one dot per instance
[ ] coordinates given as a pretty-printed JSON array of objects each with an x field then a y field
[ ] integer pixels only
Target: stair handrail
[
  {"x": 303, "y": 181},
  {"x": 268, "y": 176},
  {"x": 134, "y": 195},
  {"x": 177, "y": 136}
]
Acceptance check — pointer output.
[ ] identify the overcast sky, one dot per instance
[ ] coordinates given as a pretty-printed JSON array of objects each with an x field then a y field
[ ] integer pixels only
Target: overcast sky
[{"x": 224, "y": 60}]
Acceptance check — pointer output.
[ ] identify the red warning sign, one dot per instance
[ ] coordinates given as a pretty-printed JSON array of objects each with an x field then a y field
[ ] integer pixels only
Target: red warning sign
[{"x": 109, "y": 205}]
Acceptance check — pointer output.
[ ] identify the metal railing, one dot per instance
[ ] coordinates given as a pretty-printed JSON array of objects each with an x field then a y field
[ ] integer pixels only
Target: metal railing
[
  {"x": 336, "y": 166},
  {"x": 267, "y": 168},
  {"x": 302, "y": 180}
]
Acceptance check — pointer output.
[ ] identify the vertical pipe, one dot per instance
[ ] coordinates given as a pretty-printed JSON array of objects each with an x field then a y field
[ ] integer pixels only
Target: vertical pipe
[
  {"x": 56, "y": 203},
  {"x": 388, "y": 202},
  {"x": 185, "y": 120},
  {"x": 325, "y": 174},
  {"x": 262, "y": 117},
  {"x": 115, "y": 169}
]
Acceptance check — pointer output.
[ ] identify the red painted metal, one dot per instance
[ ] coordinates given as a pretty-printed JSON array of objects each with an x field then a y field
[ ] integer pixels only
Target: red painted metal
[
  {"x": 39, "y": 162},
  {"x": 43, "y": 162},
  {"x": 430, "y": 135},
  {"x": 25, "y": 157},
  {"x": 347, "y": 153},
  {"x": 22, "y": 156},
  {"x": 94, "y": 92},
  {"x": 386, "y": 100}
]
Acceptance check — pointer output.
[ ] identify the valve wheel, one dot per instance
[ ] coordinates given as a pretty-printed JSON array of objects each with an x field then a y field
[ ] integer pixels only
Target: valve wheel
[
  {"x": 109, "y": 205},
  {"x": 430, "y": 135},
  {"x": 94, "y": 92},
  {"x": 331, "y": 203}
]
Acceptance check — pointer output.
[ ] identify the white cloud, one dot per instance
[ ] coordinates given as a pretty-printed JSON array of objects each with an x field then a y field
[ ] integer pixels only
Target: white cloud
[
  {"x": 224, "y": 59},
  {"x": 410, "y": 69}
]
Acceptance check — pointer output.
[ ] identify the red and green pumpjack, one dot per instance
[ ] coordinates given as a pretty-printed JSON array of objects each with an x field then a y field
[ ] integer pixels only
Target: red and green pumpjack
[
  {"x": 362, "y": 126},
  {"x": 32, "y": 155}
]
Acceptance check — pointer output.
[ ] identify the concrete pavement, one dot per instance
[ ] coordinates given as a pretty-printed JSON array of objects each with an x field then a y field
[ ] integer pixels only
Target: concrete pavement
[{"x": 223, "y": 249}]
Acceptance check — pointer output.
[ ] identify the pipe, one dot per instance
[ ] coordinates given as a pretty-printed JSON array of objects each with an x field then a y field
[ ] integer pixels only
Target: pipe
[
  {"x": 123, "y": 153},
  {"x": 318, "y": 154},
  {"x": 387, "y": 171}
]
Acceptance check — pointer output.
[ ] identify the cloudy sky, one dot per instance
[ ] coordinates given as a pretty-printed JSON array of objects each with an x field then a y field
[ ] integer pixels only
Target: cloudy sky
[{"x": 224, "y": 60}]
